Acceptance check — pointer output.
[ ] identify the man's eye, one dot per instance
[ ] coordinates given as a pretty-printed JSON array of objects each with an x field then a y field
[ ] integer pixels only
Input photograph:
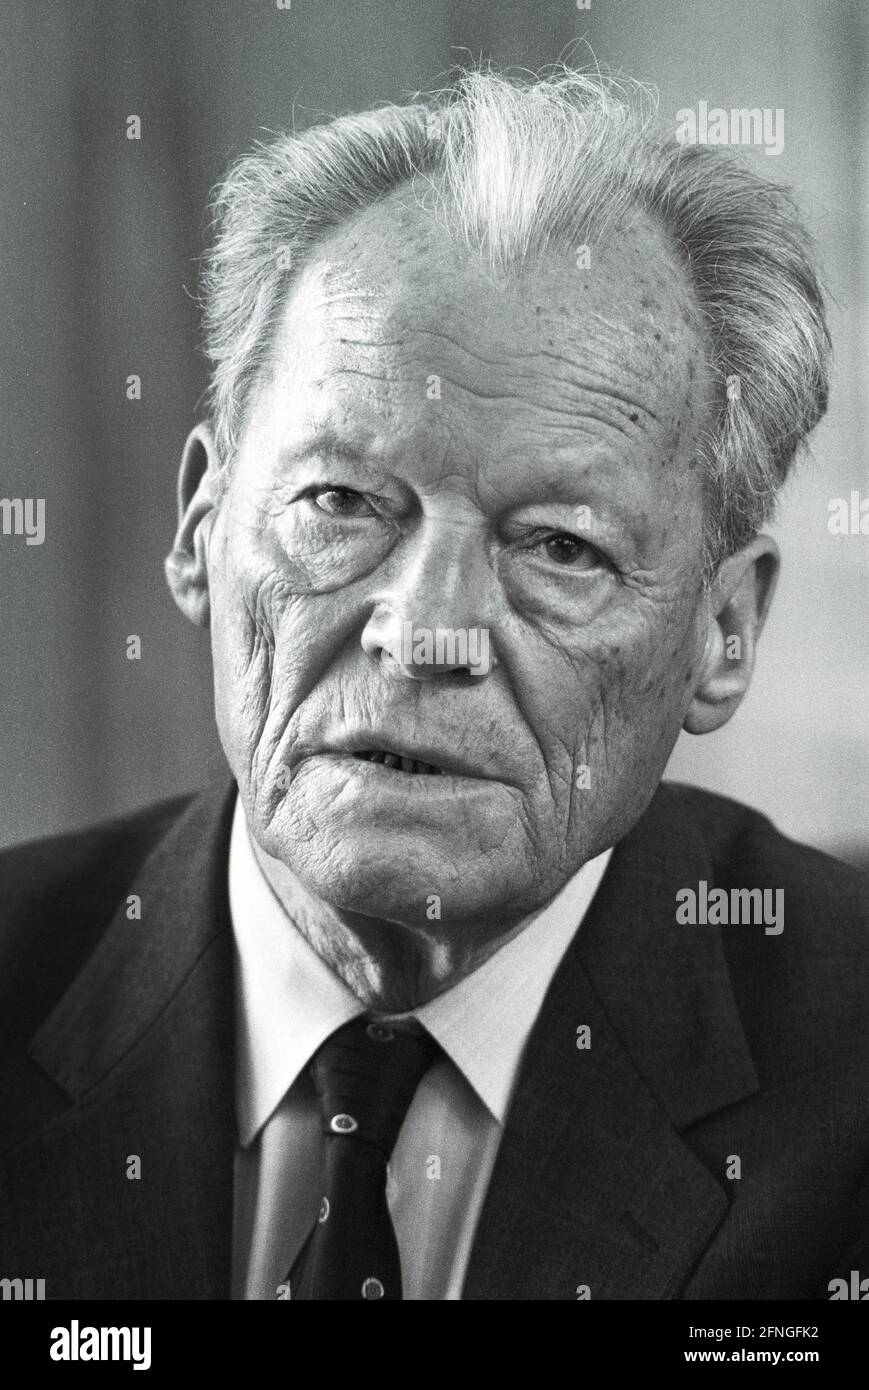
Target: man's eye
[
  {"x": 341, "y": 501},
  {"x": 565, "y": 549}
]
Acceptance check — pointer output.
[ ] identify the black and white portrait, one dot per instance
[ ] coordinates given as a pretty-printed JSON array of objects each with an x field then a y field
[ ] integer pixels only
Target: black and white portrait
[{"x": 434, "y": 535}]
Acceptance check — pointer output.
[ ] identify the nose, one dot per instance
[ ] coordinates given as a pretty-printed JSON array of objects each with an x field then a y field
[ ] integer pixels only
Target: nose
[{"x": 430, "y": 620}]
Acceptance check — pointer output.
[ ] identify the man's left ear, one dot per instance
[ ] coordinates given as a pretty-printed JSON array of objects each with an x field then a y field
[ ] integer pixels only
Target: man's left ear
[
  {"x": 186, "y": 564},
  {"x": 737, "y": 605}
]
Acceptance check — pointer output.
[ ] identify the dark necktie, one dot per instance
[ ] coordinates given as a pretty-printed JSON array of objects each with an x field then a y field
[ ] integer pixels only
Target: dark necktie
[{"x": 365, "y": 1076}]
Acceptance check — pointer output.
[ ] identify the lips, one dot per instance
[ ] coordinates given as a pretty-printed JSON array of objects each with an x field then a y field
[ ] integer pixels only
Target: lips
[
  {"x": 386, "y": 747},
  {"x": 397, "y": 762}
]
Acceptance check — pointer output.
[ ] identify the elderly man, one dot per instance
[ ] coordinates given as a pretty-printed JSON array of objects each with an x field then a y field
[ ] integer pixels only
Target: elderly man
[{"x": 445, "y": 996}]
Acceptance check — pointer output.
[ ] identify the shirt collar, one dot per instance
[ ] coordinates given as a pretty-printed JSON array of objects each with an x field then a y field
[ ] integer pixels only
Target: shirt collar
[
  {"x": 485, "y": 1020},
  {"x": 289, "y": 1000}
]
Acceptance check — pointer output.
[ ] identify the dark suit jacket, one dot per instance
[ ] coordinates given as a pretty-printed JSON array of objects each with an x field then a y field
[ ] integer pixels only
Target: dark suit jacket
[{"x": 707, "y": 1044}]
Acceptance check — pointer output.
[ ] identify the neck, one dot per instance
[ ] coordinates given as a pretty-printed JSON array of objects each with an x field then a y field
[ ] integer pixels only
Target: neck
[{"x": 390, "y": 967}]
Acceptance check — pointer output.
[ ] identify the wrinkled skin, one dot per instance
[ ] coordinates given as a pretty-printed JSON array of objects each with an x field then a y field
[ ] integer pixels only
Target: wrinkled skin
[{"x": 550, "y": 495}]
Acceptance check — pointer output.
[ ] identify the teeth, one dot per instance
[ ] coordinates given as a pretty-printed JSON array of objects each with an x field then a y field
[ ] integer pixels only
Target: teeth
[{"x": 394, "y": 760}]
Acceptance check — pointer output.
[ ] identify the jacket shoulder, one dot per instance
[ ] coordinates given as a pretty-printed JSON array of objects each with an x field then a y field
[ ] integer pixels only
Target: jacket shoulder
[
  {"x": 57, "y": 895},
  {"x": 801, "y": 978},
  {"x": 745, "y": 849}
]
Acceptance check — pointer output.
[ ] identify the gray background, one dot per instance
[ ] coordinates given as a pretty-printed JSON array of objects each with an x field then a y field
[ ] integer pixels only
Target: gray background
[{"x": 100, "y": 237}]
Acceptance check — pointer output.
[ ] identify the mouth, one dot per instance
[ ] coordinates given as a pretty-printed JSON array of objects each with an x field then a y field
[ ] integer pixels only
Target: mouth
[
  {"x": 397, "y": 762},
  {"x": 388, "y": 750}
]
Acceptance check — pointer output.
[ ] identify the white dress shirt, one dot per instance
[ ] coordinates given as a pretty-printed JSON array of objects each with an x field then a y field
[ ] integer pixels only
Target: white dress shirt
[{"x": 289, "y": 1001}]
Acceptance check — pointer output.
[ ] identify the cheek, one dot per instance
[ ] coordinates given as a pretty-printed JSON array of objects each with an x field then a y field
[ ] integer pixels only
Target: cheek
[
  {"x": 243, "y": 677},
  {"x": 563, "y": 694},
  {"x": 272, "y": 650},
  {"x": 246, "y": 610},
  {"x": 642, "y": 695},
  {"x": 617, "y": 695}
]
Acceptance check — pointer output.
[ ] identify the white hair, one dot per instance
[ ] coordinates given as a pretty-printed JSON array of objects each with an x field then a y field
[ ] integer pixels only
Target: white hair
[{"x": 517, "y": 166}]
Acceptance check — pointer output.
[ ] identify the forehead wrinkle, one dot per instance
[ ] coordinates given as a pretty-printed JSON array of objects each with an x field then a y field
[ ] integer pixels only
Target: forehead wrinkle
[
  {"x": 586, "y": 396},
  {"x": 617, "y": 344},
  {"x": 576, "y": 411},
  {"x": 371, "y": 280},
  {"x": 607, "y": 392},
  {"x": 608, "y": 402},
  {"x": 607, "y": 389},
  {"x": 581, "y": 414},
  {"x": 580, "y": 403},
  {"x": 578, "y": 378}
]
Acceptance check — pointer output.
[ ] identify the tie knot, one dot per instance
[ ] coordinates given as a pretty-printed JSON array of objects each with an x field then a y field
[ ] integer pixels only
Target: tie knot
[{"x": 365, "y": 1076}]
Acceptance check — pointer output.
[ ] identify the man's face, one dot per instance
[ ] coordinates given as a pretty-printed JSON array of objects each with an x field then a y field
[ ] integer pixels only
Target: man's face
[{"x": 437, "y": 446}]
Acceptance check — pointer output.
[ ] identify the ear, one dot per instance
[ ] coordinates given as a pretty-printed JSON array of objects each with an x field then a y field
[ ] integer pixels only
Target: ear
[
  {"x": 736, "y": 608},
  {"x": 186, "y": 565}
]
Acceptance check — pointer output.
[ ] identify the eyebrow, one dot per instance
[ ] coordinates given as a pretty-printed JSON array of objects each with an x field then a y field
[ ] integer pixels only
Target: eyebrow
[{"x": 326, "y": 445}]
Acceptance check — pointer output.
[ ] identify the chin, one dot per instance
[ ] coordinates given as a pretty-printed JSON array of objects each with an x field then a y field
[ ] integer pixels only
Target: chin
[{"x": 405, "y": 877}]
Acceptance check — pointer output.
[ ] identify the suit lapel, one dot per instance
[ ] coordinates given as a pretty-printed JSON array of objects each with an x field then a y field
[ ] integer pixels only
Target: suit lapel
[
  {"x": 594, "y": 1188},
  {"x": 141, "y": 1046}
]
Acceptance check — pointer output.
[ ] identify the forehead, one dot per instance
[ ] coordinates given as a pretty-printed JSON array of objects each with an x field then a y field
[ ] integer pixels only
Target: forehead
[{"x": 591, "y": 351}]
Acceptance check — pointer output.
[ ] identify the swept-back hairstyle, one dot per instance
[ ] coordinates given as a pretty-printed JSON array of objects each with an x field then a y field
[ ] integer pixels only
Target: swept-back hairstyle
[{"x": 518, "y": 166}]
